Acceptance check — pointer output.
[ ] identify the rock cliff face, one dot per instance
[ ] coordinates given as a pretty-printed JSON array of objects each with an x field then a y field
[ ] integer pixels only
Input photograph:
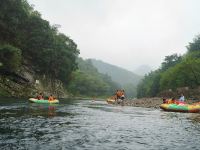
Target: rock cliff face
[{"x": 25, "y": 83}]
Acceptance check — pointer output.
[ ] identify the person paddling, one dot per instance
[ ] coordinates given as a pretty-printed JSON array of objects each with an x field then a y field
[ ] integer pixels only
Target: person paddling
[
  {"x": 122, "y": 95},
  {"x": 182, "y": 98},
  {"x": 118, "y": 94},
  {"x": 51, "y": 98},
  {"x": 40, "y": 96}
]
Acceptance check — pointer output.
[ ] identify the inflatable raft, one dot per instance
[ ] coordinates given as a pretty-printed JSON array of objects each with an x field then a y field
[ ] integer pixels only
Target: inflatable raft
[
  {"x": 113, "y": 101},
  {"x": 110, "y": 101},
  {"x": 43, "y": 101},
  {"x": 181, "y": 108}
]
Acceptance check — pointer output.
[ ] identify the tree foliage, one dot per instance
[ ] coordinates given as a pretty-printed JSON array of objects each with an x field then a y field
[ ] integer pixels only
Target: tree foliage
[
  {"x": 10, "y": 58},
  {"x": 87, "y": 81},
  {"x": 170, "y": 61},
  {"x": 32, "y": 38},
  {"x": 195, "y": 45},
  {"x": 130, "y": 90},
  {"x": 149, "y": 86},
  {"x": 26, "y": 38},
  {"x": 186, "y": 73},
  {"x": 175, "y": 72}
]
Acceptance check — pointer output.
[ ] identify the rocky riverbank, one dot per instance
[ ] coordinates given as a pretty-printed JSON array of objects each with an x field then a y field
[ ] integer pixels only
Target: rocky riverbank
[
  {"x": 153, "y": 102},
  {"x": 26, "y": 83}
]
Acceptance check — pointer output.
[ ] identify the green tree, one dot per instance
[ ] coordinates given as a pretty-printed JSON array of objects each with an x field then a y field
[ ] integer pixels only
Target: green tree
[
  {"x": 186, "y": 73},
  {"x": 10, "y": 58},
  {"x": 176, "y": 71},
  {"x": 130, "y": 90},
  {"x": 170, "y": 61},
  {"x": 87, "y": 81},
  {"x": 13, "y": 17},
  {"x": 195, "y": 45},
  {"x": 149, "y": 86},
  {"x": 34, "y": 42}
]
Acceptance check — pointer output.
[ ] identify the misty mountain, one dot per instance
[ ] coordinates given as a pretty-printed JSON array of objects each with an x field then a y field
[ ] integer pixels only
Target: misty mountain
[
  {"x": 118, "y": 74},
  {"x": 143, "y": 69}
]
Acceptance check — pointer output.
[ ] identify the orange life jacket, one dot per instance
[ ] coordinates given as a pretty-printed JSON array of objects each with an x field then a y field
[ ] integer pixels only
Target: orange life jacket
[
  {"x": 51, "y": 98},
  {"x": 119, "y": 93}
]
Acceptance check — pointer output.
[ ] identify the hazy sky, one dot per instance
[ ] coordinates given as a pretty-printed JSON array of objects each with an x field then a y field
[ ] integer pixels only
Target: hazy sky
[{"x": 126, "y": 33}]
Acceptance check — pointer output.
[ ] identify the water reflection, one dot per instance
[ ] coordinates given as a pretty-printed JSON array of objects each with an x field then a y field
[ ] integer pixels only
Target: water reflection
[
  {"x": 51, "y": 111},
  {"x": 45, "y": 110}
]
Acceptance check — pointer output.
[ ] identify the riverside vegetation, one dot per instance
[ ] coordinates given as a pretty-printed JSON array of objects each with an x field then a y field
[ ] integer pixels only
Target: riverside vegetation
[
  {"x": 177, "y": 74},
  {"x": 35, "y": 56}
]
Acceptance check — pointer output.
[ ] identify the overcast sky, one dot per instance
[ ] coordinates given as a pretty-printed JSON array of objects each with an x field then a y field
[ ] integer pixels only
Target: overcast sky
[{"x": 126, "y": 33}]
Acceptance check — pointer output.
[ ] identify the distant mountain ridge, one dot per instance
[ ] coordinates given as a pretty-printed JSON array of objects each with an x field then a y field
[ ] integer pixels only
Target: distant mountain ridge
[
  {"x": 143, "y": 69},
  {"x": 118, "y": 74}
]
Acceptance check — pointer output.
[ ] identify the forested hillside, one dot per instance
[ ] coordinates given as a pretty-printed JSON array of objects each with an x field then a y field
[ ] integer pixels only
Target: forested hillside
[
  {"x": 33, "y": 50},
  {"x": 127, "y": 79},
  {"x": 176, "y": 72},
  {"x": 119, "y": 75},
  {"x": 28, "y": 41},
  {"x": 87, "y": 81},
  {"x": 142, "y": 70}
]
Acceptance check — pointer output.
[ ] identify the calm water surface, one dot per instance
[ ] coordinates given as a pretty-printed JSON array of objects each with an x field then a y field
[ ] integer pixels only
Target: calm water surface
[{"x": 83, "y": 124}]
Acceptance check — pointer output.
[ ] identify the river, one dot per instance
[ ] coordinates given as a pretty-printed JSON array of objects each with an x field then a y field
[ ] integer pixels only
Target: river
[{"x": 87, "y": 125}]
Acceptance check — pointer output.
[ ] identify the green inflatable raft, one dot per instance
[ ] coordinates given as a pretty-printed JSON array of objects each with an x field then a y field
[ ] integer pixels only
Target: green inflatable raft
[
  {"x": 43, "y": 101},
  {"x": 181, "y": 108}
]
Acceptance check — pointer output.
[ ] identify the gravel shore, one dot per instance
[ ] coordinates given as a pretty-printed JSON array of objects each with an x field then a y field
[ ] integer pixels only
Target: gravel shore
[{"x": 153, "y": 102}]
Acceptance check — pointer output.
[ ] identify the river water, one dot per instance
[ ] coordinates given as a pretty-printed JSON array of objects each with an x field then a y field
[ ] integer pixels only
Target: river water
[{"x": 83, "y": 124}]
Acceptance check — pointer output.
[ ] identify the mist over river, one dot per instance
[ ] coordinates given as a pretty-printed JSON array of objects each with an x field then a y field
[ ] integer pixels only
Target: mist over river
[{"x": 88, "y": 125}]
